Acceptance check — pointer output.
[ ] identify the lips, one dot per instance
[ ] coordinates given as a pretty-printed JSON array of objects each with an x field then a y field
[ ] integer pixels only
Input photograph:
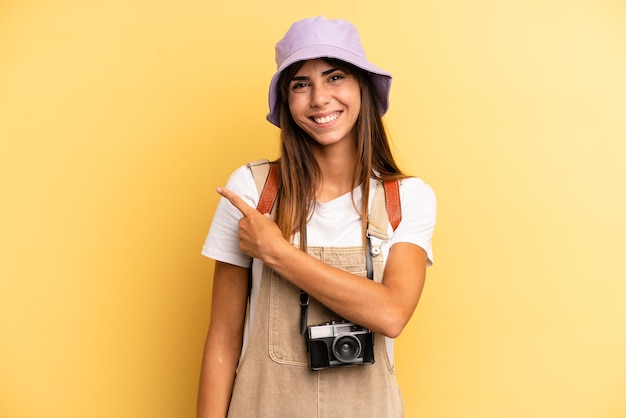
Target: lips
[{"x": 325, "y": 119}]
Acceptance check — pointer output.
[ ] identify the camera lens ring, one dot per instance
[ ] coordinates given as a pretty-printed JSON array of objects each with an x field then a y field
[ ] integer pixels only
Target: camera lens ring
[{"x": 346, "y": 348}]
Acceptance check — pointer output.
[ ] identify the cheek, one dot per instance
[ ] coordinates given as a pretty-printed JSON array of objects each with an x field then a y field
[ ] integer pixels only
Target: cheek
[
  {"x": 352, "y": 96},
  {"x": 355, "y": 104},
  {"x": 296, "y": 112},
  {"x": 295, "y": 105}
]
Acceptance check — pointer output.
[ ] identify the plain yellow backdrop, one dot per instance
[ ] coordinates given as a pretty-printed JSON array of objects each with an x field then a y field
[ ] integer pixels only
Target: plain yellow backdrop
[{"x": 119, "y": 118}]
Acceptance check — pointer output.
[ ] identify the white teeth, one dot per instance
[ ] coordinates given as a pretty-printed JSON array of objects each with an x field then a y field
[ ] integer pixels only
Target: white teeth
[{"x": 326, "y": 119}]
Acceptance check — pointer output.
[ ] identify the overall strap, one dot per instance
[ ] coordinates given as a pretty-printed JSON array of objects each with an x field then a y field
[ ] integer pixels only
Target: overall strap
[
  {"x": 265, "y": 176},
  {"x": 385, "y": 210}
]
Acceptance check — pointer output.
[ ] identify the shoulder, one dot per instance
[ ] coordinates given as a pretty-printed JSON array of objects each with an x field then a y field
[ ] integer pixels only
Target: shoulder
[
  {"x": 251, "y": 170},
  {"x": 241, "y": 182},
  {"x": 241, "y": 174},
  {"x": 413, "y": 189},
  {"x": 419, "y": 215},
  {"x": 418, "y": 202}
]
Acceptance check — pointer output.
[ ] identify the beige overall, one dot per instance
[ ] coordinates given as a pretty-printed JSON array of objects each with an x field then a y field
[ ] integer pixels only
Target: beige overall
[{"x": 274, "y": 379}]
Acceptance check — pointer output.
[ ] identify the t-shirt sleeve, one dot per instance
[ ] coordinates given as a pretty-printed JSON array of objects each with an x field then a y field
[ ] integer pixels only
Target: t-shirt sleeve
[
  {"x": 222, "y": 243},
  {"x": 419, "y": 214}
]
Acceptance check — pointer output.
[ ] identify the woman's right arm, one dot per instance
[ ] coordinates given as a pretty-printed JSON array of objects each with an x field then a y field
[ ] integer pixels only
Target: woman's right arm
[{"x": 224, "y": 339}]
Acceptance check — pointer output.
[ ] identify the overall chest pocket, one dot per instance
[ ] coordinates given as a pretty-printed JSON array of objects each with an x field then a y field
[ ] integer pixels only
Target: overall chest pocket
[{"x": 286, "y": 345}]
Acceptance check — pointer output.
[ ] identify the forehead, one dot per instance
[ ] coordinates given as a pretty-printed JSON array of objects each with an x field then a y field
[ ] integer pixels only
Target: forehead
[{"x": 313, "y": 66}]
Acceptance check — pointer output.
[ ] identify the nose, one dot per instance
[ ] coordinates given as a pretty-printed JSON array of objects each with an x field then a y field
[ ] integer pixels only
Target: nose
[{"x": 320, "y": 95}]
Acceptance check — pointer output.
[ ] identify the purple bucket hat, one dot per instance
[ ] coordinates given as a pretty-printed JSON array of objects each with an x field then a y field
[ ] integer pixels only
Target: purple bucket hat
[{"x": 316, "y": 38}]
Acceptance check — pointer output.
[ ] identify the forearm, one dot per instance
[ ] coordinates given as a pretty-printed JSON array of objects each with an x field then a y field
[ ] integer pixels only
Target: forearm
[
  {"x": 224, "y": 340},
  {"x": 216, "y": 380},
  {"x": 383, "y": 308}
]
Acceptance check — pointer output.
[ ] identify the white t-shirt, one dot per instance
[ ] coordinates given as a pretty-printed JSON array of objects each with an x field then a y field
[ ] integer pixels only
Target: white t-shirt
[{"x": 333, "y": 224}]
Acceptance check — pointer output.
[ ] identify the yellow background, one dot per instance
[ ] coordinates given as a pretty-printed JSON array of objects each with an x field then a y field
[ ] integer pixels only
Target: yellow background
[{"x": 119, "y": 118}]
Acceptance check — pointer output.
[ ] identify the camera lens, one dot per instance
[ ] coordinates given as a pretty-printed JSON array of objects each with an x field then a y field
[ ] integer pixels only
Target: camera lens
[{"x": 346, "y": 348}]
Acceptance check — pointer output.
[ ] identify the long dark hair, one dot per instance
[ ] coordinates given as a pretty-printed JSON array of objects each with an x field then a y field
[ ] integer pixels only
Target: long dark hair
[{"x": 299, "y": 172}]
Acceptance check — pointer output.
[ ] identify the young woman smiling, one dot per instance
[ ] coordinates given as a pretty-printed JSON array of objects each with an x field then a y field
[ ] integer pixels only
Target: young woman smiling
[{"x": 308, "y": 296}]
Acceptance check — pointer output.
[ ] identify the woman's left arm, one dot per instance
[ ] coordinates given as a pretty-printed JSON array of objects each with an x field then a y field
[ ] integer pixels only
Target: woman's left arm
[
  {"x": 351, "y": 296},
  {"x": 348, "y": 295}
]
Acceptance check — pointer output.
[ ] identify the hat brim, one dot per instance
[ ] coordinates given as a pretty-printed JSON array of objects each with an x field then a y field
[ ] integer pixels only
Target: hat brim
[{"x": 380, "y": 78}]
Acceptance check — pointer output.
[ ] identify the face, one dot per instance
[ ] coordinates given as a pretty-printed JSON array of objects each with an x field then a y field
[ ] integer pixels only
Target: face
[{"x": 325, "y": 102}]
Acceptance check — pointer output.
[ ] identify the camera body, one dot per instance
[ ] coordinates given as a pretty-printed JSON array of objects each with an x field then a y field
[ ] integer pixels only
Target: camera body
[{"x": 339, "y": 343}]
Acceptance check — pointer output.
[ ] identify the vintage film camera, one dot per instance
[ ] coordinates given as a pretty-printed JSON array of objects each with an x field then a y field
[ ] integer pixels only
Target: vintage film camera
[{"x": 339, "y": 343}]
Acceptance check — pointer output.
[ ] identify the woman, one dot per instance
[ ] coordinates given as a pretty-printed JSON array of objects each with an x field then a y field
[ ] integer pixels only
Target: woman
[{"x": 313, "y": 256}]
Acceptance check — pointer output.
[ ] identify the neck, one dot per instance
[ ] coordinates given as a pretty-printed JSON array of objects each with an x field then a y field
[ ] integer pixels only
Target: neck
[{"x": 337, "y": 171}]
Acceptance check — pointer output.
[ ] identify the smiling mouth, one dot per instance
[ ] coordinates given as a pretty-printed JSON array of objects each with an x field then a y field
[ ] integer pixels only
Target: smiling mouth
[{"x": 326, "y": 119}]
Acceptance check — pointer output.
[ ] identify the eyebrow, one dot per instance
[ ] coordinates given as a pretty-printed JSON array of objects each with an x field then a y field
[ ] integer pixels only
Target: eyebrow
[{"x": 324, "y": 73}]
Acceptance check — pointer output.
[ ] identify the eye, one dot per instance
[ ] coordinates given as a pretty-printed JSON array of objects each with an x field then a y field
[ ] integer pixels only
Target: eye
[
  {"x": 299, "y": 85},
  {"x": 336, "y": 74}
]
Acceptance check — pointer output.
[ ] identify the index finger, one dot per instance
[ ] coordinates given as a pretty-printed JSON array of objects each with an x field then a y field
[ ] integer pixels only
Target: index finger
[{"x": 236, "y": 201}]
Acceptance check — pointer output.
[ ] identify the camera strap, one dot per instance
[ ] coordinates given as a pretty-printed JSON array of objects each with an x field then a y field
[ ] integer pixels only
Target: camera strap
[
  {"x": 305, "y": 299},
  {"x": 385, "y": 209}
]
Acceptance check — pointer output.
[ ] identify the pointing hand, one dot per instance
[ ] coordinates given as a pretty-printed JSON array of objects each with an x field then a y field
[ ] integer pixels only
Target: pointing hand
[{"x": 257, "y": 233}]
